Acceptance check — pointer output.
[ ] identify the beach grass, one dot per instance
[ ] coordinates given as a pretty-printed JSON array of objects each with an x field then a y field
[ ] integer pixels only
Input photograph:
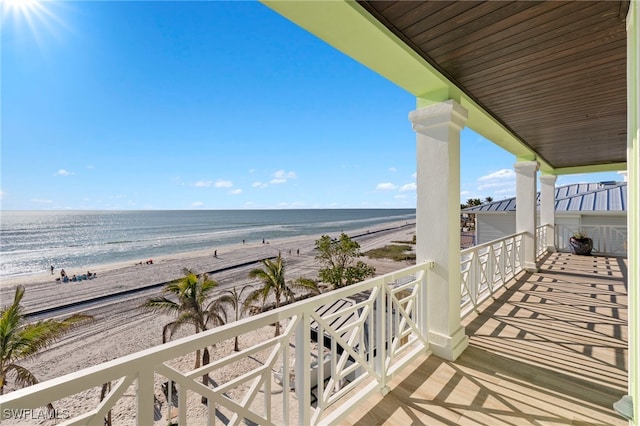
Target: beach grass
[{"x": 394, "y": 251}]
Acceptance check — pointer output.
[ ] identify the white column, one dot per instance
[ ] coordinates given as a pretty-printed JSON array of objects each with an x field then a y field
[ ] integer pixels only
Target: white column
[
  {"x": 438, "y": 221},
  {"x": 548, "y": 209},
  {"x": 633, "y": 212},
  {"x": 526, "y": 210}
]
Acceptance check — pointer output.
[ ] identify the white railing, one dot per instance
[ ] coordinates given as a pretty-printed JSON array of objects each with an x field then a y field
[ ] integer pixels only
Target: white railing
[
  {"x": 541, "y": 239},
  {"x": 487, "y": 267},
  {"x": 372, "y": 334},
  {"x": 607, "y": 239}
]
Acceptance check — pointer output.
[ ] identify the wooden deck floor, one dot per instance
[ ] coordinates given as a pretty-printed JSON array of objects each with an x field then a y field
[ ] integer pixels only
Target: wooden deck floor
[{"x": 550, "y": 350}]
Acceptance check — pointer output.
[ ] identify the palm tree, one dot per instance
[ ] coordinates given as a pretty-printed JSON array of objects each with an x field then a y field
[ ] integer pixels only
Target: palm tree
[
  {"x": 312, "y": 287},
  {"x": 192, "y": 292},
  {"x": 273, "y": 280},
  {"x": 232, "y": 298},
  {"x": 21, "y": 340}
]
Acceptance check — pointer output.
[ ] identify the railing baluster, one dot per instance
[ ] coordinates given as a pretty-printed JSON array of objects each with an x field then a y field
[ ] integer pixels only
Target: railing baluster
[
  {"x": 302, "y": 367},
  {"x": 381, "y": 338},
  {"x": 145, "y": 396},
  {"x": 182, "y": 406}
]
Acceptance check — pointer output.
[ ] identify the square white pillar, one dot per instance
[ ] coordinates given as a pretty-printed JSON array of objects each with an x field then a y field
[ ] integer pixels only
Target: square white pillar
[
  {"x": 438, "y": 221},
  {"x": 548, "y": 210},
  {"x": 526, "y": 210}
]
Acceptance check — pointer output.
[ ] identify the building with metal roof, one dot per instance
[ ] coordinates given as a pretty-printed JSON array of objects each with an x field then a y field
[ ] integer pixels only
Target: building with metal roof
[
  {"x": 597, "y": 209},
  {"x": 578, "y": 197}
]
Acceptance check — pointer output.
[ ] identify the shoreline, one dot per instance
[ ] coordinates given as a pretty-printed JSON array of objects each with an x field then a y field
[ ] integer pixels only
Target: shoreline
[
  {"x": 122, "y": 328},
  {"x": 47, "y": 276},
  {"x": 127, "y": 276}
]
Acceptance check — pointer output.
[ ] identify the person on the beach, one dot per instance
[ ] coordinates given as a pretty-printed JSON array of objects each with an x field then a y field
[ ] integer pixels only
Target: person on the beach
[
  {"x": 63, "y": 273},
  {"x": 215, "y": 253},
  {"x": 51, "y": 269}
]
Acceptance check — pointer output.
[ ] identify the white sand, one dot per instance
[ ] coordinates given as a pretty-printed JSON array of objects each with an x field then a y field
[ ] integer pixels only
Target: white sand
[{"x": 121, "y": 328}]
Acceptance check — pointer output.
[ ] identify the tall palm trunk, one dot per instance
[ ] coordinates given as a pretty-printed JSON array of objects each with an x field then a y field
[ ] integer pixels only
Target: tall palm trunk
[
  {"x": 277, "y": 332},
  {"x": 205, "y": 376}
]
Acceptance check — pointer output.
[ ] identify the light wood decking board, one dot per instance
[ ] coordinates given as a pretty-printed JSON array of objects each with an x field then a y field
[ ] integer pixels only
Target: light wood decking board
[{"x": 551, "y": 349}]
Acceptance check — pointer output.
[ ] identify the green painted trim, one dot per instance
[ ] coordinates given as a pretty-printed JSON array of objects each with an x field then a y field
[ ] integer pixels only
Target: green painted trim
[
  {"x": 613, "y": 167},
  {"x": 346, "y": 26},
  {"x": 528, "y": 157}
]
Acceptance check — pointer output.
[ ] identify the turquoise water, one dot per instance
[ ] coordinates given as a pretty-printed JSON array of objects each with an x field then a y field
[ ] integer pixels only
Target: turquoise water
[{"x": 31, "y": 241}]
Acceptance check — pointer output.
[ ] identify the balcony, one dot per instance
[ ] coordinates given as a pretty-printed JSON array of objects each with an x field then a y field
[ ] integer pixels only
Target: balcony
[{"x": 550, "y": 346}]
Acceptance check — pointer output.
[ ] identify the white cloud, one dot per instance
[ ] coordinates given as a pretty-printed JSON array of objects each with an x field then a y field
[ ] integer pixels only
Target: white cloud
[
  {"x": 235, "y": 191},
  {"x": 203, "y": 184},
  {"x": 393, "y": 169},
  {"x": 259, "y": 185},
  {"x": 507, "y": 192},
  {"x": 292, "y": 205},
  {"x": 63, "y": 172},
  {"x": 2, "y": 194},
  {"x": 197, "y": 204},
  {"x": 387, "y": 186},
  {"x": 415, "y": 175},
  {"x": 223, "y": 183},
  {"x": 41, "y": 201},
  {"x": 500, "y": 174},
  {"x": 408, "y": 187},
  {"x": 494, "y": 185},
  {"x": 504, "y": 178},
  {"x": 281, "y": 174}
]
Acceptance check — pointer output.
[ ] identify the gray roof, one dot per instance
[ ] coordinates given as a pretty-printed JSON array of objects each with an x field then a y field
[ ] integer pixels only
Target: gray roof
[{"x": 578, "y": 197}]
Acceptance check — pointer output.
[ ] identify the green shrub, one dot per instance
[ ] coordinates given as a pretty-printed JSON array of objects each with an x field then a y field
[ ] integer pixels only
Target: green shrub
[{"x": 394, "y": 251}]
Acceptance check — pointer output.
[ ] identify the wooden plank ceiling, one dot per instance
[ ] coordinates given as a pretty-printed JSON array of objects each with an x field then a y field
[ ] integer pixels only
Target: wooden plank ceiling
[{"x": 552, "y": 72}]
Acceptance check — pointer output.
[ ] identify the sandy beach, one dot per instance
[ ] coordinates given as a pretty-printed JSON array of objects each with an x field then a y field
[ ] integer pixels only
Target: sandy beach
[{"x": 121, "y": 328}]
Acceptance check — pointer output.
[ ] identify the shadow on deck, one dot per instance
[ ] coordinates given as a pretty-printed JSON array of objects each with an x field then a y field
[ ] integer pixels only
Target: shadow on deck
[{"x": 550, "y": 349}]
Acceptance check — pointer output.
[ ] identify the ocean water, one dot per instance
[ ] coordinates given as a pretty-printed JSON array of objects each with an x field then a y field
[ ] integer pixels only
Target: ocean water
[{"x": 31, "y": 241}]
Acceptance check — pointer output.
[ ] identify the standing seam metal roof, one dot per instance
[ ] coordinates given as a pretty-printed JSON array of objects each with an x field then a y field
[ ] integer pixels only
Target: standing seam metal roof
[{"x": 579, "y": 197}]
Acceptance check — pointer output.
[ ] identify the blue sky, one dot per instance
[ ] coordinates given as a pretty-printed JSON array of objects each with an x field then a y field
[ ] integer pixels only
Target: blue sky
[{"x": 205, "y": 105}]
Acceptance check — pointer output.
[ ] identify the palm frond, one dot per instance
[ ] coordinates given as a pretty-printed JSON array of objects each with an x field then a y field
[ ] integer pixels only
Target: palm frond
[
  {"x": 169, "y": 329},
  {"x": 307, "y": 284},
  {"x": 36, "y": 336},
  {"x": 22, "y": 376},
  {"x": 161, "y": 304},
  {"x": 19, "y": 340}
]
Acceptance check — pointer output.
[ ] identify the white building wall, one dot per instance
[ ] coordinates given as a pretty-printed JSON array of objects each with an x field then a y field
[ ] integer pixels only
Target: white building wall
[{"x": 493, "y": 226}]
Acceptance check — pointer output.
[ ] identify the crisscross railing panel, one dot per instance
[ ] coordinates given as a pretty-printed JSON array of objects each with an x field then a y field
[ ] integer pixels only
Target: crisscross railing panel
[
  {"x": 607, "y": 239},
  {"x": 487, "y": 267},
  {"x": 541, "y": 240},
  {"x": 383, "y": 330}
]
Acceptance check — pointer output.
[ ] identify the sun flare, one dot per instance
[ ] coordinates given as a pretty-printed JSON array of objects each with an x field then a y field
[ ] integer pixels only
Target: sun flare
[
  {"x": 34, "y": 18},
  {"x": 22, "y": 7}
]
